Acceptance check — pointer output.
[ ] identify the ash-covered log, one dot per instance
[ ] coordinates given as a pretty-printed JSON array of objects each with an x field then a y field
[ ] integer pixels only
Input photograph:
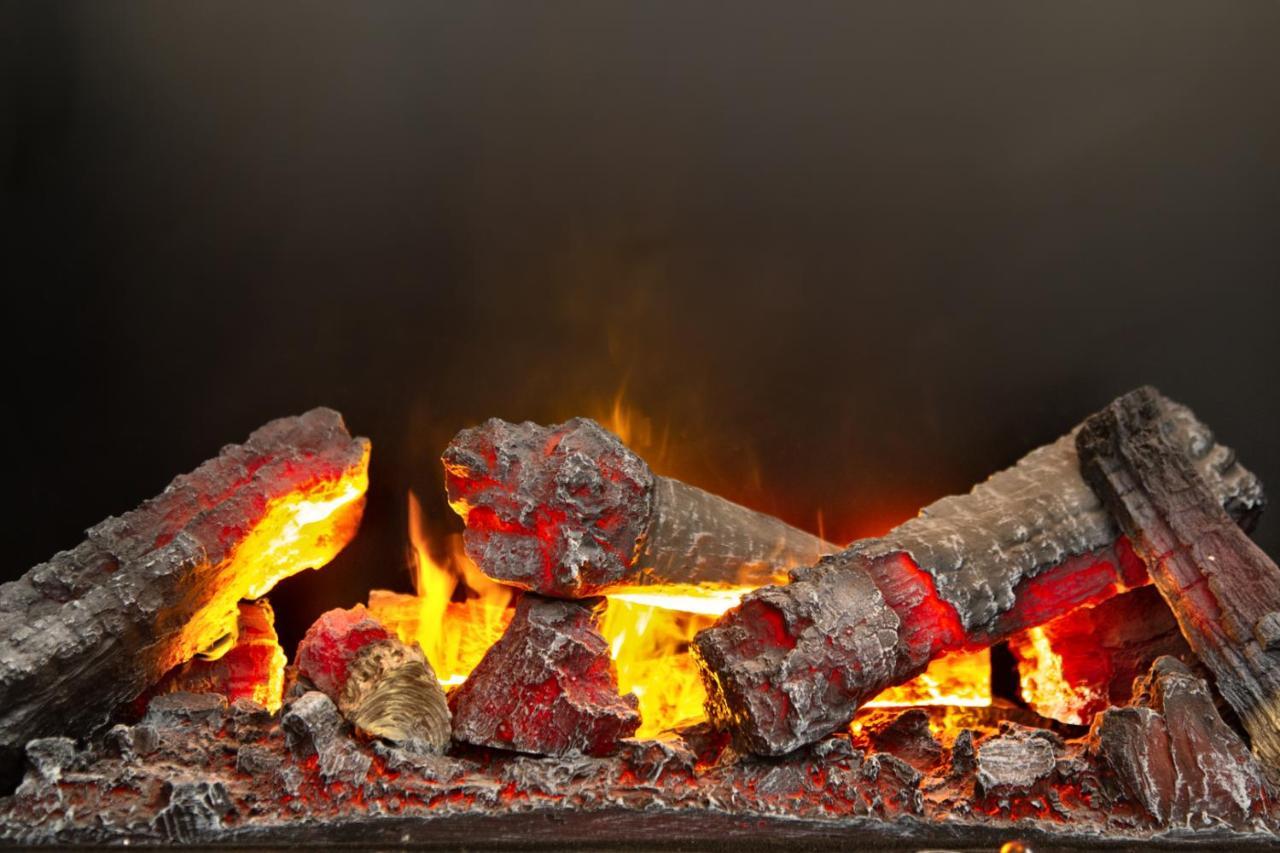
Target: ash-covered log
[
  {"x": 384, "y": 687},
  {"x": 548, "y": 686},
  {"x": 569, "y": 511},
  {"x": 1223, "y": 589},
  {"x": 1079, "y": 664},
  {"x": 1170, "y": 754},
  {"x": 793, "y": 663},
  {"x": 95, "y": 626}
]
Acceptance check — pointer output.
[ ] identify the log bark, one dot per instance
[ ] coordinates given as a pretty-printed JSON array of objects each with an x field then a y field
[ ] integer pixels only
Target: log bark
[
  {"x": 1223, "y": 589},
  {"x": 793, "y": 663},
  {"x": 568, "y": 511},
  {"x": 96, "y": 625}
]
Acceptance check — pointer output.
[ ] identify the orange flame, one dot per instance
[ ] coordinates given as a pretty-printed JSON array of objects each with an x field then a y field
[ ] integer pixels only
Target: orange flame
[
  {"x": 458, "y": 614},
  {"x": 1044, "y": 684}
]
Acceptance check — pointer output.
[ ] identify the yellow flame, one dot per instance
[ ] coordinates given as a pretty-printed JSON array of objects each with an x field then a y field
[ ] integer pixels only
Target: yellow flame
[{"x": 1043, "y": 684}]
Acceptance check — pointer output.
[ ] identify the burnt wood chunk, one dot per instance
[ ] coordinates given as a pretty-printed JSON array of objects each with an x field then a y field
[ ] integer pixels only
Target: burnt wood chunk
[
  {"x": 1224, "y": 591},
  {"x": 385, "y": 688},
  {"x": 548, "y": 686},
  {"x": 569, "y": 511},
  {"x": 793, "y": 663},
  {"x": 146, "y": 591},
  {"x": 1170, "y": 754},
  {"x": 1083, "y": 662}
]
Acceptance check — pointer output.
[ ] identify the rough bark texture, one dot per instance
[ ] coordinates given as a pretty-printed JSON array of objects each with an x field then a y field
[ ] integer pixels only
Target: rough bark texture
[
  {"x": 1172, "y": 755},
  {"x": 547, "y": 687},
  {"x": 1033, "y": 542},
  {"x": 96, "y": 625},
  {"x": 1224, "y": 591},
  {"x": 569, "y": 511},
  {"x": 384, "y": 687},
  {"x": 1096, "y": 654}
]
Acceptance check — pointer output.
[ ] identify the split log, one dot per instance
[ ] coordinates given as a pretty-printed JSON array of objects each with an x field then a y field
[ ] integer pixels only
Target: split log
[
  {"x": 1079, "y": 664},
  {"x": 384, "y": 687},
  {"x": 548, "y": 686},
  {"x": 95, "y": 626},
  {"x": 569, "y": 511},
  {"x": 793, "y": 663},
  {"x": 1223, "y": 589},
  {"x": 1173, "y": 757}
]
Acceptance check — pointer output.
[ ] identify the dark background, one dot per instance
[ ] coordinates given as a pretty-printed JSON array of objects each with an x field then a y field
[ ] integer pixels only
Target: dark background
[{"x": 844, "y": 257}]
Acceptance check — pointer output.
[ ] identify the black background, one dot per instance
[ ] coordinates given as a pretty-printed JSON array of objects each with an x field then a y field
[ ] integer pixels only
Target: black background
[{"x": 845, "y": 257}]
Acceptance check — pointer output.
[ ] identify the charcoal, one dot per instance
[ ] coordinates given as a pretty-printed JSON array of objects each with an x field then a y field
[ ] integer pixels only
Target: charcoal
[
  {"x": 569, "y": 511},
  {"x": 548, "y": 686},
  {"x": 893, "y": 785},
  {"x": 90, "y": 630},
  {"x": 257, "y": 760},
  {"x": 332, "y": 643},
  {"x": 793, "y": 663},
  {"x": 907, "y": 736},
  {"x": 1171, "y": 754},
  {"x": 194, "y": 810},
  {"x": 48, "y": 757},
  {"x": 1017, "y": 763},
  {"x": 313, "y": 726},
  {"x": 176, "y": 709},
  {"x": 964, "y": 753}
]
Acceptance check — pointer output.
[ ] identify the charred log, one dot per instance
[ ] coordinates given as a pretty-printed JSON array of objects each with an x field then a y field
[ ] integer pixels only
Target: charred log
[
  {"x": 547, "y": 687},
  {"x": 1083, "y": 662},
  {"x": 793, "y": 663},
  {"x": 145, "y": 592},
  {"x": 569, "y": 511},
  {"x": 1224, "y": 591},
  {"x": 385, "y": 688},
  {"x": 1173, "y": 756}
]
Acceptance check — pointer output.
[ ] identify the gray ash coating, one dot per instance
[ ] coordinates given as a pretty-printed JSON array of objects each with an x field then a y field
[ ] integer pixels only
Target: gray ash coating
[
  {"x": 978, "y": 547},
  {"x": 96, "y": 625},
  {"x": 568, "y": 511}
]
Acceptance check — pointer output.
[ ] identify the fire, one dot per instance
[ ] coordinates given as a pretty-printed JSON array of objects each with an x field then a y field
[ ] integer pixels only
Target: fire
[
  {"x": 1044, "y": 684},
  {"x": 458, "y": 613}
]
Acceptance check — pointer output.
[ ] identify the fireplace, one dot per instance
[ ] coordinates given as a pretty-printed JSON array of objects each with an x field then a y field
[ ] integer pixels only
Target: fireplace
[{"x": 605, "y": 654}]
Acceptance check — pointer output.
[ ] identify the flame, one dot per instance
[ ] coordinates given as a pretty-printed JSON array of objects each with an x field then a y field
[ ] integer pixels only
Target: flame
[
  {"x": 1044, "y": 684},
  {"x": 458, "y": 614}
]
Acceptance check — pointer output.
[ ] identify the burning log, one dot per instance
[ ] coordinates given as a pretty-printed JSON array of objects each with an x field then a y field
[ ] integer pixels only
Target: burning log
[
  {"x": 548, "y": 686},
  {"x": 95, "y": 626},
  {"x": 569, "y": 511},
  {"x": 386, "y": 688},
  {"x": 1081, "y": 663},
  {"x": 253, "y": 668},
  {"x": 1224, "y": 591},
  {"x": 1170, "y": 754},
  {"x": 793, "y": 663}
]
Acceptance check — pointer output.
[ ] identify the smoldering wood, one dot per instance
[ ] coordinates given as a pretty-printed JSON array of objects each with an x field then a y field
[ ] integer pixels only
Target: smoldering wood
[
  {"x": 96, "y": 625},
  {"x": 793, "y": 663},
  {"x": 1223, "y": 589},
  {"x": 569, "y": 511},
  {"x": 1101, "y": 651}
]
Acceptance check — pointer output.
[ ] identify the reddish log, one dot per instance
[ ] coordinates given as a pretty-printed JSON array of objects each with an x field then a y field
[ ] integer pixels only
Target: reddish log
[
  {"x": 548, "y": 686},
  {"x": 569, "y": 511},
  {"x": 385, "y": 688},
  {"x": 92, "y": 628},
  {"x": 1224, "y": 591},
  {"x": 793, "y": 663}
]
